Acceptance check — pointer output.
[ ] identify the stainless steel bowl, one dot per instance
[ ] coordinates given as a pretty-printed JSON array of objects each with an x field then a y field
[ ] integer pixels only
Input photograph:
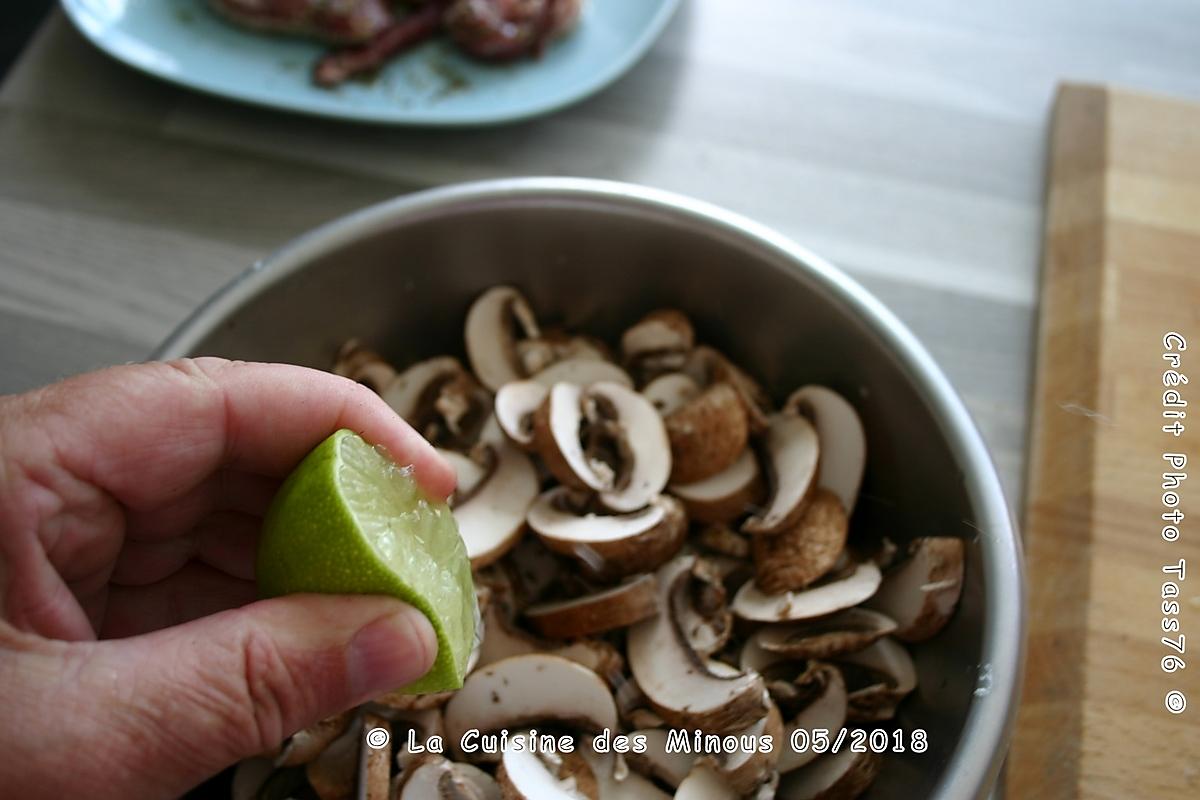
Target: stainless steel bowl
[{"x": 595, "y": 256}]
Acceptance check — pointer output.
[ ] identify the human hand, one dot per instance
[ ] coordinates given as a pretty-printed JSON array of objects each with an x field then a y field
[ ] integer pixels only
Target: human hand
[{"x": 134, "y": 661}]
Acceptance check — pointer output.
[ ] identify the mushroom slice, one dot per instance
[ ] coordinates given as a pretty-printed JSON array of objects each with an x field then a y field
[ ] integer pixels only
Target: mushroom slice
[
  {"x": 663, "y": 331},
  {"x": 433, "y": 776},
  {"x": 824, "y": 710},
  {"x": 746, "y": 768},
  {"x": 526, "y": 774},
  {"x": 701, "y": 611},
  {"x": 497, "y": 319},
  {"x": 922, "y": 591},
  {"x": 725, "y": 496},
  {"x": 649, "y": 449},
  {"x": 657, "y": 761},
  {"x": 792, "y": 451},
  {"x": 878, "y": 678},
  {"x": 678, "y": 684},
  {"x": 515, "y": 404},
  {"x": 610, "y": 546},
  {"x": 794, "y": 558},
  {"x": 332, "y": 774},
  {"x": 307, "y": 744},
  {"x": 844, "y": 444},
  {"x": 721, "y": 540},
  {"x": 842, "y": 590},
  {"x": 707, "y": 434},
  {"x": 582, "y": 371},
  {"x": 671, "y": 392},
  {"x": 703, "y": 783},
  {"x": 843, "y": 632},
  {"x": 843, "y": 775},
  {"x": 709, "y": 366},
  {"x": 363, "y": 365},
  {"x": 556, "y": 434},
  {"x": 619, "y": 784},
  {"x": 374, "y": 763},
  {"x": 420, "y": 725},
  {"x": 470, "y": 474},
  {"x": 415, "y": 389},
  {"x": 529, "y": 689},
  {"x": 492, "y": 519},
  {"x": 616, "y": 607}
]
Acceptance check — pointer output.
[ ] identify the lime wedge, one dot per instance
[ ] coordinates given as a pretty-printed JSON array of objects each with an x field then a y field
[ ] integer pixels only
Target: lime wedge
[{"x": 348, "y": 520}]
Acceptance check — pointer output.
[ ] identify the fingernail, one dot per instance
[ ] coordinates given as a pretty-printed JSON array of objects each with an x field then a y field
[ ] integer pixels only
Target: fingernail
[{"x": 391, "y": 652}]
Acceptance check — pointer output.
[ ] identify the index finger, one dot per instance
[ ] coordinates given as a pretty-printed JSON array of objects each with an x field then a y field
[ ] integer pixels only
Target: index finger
[{"x": 154, "y": 430}]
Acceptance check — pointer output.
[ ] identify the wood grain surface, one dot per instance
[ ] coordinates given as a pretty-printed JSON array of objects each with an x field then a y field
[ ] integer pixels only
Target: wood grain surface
[{"x": 1121, "y": 272}]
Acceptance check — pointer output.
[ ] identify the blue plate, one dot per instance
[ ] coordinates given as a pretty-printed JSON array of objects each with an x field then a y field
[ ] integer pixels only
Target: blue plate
[{"x": 184, "y": 42}]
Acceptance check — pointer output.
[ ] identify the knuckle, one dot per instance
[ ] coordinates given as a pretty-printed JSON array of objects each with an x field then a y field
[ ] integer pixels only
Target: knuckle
[{"x": 273, "y": 695}]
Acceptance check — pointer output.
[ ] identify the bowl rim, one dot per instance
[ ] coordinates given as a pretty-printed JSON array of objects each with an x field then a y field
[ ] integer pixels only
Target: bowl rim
[{"x": 979, "y": 754}]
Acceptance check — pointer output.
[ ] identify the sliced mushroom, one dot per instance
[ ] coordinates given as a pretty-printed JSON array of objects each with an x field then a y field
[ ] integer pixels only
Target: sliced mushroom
[
  {"x": 663, "y": 331},
  {"x": 825, "y": 637},
  {"x": 492, "y": 517},
  {"x": 415, "y": 389},
  {"x": 649, "y": 449},
  {"x": 525, "y": 774},
  {"x": 745, "y": 769},
  {"x": 332, "y": 774},
  {"x": 374, "y": 763},
  {"x": 721, "y": 540},
  {"x": 670, "y": 392},
  {"x": 826, "y": 709},
  {"x": 877, "y": 679},
  {"x": 701, "y": 612},
  {"x": 530, "y": 689},
  {"x": 792, "y": 450},
  {"x": 497, "y": 319},
  {"x": 921, "y": 592},
  {"x": 249, "y": 777},
  {"x": 420, "y": 725},
  {"x": 554, "y": 346},
  {"x": 709, "y": 366},
  {"x": 434, "y": 777},
  {"x": 556, "y": 434},
  {"x": 619, "y": 784},
  {"x": 515, "y": 404},
  {"x": 616, "y": 607},
  {"x": 707, "y": 434},
  {"x": 667, "y": 765},
  {"x": 582, "y": 372},
  {"x": 703, "y": 783},
  {"x": 610, "y": 546},
  {"x": 725, "y": 496},
  {"x": 677, "y": 682},
  {"x": 844, "y": 444},
  {"x": 363, "y": 365},
  {"x": 835, "y": 593},
  {"x": 797, "y": 556},
  {"x": 307, "y": 744},
  {"x": 533, "y": 569},
  {"x": 843, "y": 775}
]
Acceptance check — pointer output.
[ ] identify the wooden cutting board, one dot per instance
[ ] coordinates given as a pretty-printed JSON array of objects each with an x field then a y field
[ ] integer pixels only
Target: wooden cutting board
[{"x": 1121, "y": 271}]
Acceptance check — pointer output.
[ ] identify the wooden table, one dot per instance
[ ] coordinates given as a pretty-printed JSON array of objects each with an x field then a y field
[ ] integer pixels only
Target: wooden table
[{"x": 904, "y": 141}]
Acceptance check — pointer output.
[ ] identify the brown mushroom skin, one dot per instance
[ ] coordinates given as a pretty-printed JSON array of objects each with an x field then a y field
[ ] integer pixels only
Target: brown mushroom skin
[
  {"x": 793, "y": 559},
  {"x": 642, "y": 553},
  {"x": 546, "y": 447},
  {"x": 947, "y": 554},
  {"x": 707, "y": 435}
]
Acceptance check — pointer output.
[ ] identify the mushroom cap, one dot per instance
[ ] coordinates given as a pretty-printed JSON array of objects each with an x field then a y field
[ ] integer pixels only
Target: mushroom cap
[
  {"x": 374, "y": 763},
  {"x": 415, "y": 387},
  {"x": 710, "y": 366},
  {"x": 490, "y": 337},
  {"x": 305, "y": 745},
  {"x": 671, "y": 391},
  {"x": 582, "y": 371},
  {"x": 706, "y": 434},
  {"x": 921, "y": 592},
  {"x": 527, "y": 690},
  {"x": 657, "y": 762},
  {"x": 890, "y": 661},
  {"x": 646, "y": 437},
  {"x": 610, "y": 545},
  {"x": 615, "y": 607},
  {"x": 435, "y": 777},
  {"x": 843, "y": 441},
  {"x": 677, "y": 682},
  {"x": 827, "y": 710},
  {"x": 745, "y": 770},
  {"x": 492, "y": 518},
  {"x": 725, "y": 496},
  {"x": 556, "y": 428},
  {"x": 795, "y": 557},
  {"x": 792, "y": 453},
  {"x": 524, "y": 774},
  {"x": 825, "y": 597}
]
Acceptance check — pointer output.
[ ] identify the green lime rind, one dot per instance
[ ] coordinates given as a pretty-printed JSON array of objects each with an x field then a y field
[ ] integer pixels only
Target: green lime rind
[{"x": 349, "y": 521}]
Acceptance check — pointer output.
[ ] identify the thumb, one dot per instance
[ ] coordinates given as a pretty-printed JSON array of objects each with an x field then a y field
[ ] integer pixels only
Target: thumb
[{"x": 180, "y": 704}]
